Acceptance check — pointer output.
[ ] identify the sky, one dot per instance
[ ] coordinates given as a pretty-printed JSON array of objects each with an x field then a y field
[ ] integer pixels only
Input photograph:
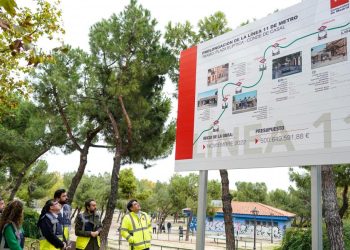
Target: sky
[{"x": 79, "y": 16}]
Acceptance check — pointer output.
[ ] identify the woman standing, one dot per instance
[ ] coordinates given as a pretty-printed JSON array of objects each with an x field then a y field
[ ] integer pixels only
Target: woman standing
[{"x": 10, "y": 226}]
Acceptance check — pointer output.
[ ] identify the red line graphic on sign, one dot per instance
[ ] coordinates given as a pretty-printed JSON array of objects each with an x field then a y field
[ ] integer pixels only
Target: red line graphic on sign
[{"x": 186, "y": 107}]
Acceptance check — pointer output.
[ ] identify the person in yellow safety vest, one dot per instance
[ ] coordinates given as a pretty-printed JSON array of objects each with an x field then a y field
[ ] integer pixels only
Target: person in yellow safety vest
[
  {"x": 50, "y": 228},
  {"x": 60, "y": 195},
  {"x": 136, "y": 227},
  {"x": 88, "y": 227}
]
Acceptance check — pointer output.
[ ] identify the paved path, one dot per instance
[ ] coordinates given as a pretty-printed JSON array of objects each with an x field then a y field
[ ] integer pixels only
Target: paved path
[{"x": 170, "y": 241}]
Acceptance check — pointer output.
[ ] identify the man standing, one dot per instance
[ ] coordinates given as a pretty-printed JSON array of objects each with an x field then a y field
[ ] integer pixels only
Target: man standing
[
  {"x": 168, "y": 225},
  {"x": 136, "y": 227},
  {"x": 50, "y": 228},
  {"x": 87, "y": 227},
  {"x": 64, "y": 215}
]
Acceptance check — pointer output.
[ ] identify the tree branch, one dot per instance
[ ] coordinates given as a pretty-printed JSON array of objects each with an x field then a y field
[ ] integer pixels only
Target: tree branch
[
  {"x": 115, "y": 129},
  {"x": 101, "y": 146},
  {"x": 65, "y": 120},
  {"x": 345, "y": 205},
  {"x": 128, "y": 121}
]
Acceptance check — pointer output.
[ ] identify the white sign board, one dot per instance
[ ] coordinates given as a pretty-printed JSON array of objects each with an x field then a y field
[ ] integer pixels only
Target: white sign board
[{"x": 272, "y": 93}]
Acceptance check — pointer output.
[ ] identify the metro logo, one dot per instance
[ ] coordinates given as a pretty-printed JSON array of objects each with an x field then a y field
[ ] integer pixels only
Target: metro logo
[{"x": 337, "y": 3}]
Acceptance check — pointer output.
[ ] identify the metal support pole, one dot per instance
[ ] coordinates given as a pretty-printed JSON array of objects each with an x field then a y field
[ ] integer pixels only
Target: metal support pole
[
  {"x": 271, "y": 230},
  {"x": 254, "y": 247},
  {"x": 316, "y": 207},
  {"x": 202, "y": 207}
]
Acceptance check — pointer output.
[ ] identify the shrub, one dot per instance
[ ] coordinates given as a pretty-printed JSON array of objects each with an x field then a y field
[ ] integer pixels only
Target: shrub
[
  {"x": 296, "y": 239},
  {"x": 300, "y": 238},
  {"x": 29, "y": 223}
]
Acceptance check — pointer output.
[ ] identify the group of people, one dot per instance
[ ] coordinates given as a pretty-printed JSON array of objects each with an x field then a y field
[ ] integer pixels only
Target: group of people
[{"x": 55, "y": 222}]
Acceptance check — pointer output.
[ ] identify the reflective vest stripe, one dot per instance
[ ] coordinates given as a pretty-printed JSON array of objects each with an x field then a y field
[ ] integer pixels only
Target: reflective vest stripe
[
  {"x": 125, "y": 229},
  {"x": 54, "y": 221},
  {"x": 133, "y": 223},
  {"x": 141, "y": 243},
  {"x": 140, "y": 229}
]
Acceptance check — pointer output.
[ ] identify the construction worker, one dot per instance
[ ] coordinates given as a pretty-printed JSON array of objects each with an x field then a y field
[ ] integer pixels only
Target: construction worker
[
  {"x": 87, "y": 227},
  {"x": 64, "y": 216},
  {"x": 50, "y": 227},
  {"x": 136, "y": 227}
]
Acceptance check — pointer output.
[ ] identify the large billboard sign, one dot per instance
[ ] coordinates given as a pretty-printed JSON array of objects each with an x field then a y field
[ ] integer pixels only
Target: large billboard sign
[{"x": 272, "y": 93}]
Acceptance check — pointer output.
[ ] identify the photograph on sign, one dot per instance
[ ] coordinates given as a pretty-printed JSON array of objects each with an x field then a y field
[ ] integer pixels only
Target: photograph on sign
[
  {"x": 329, "y": 53},
  {"x": 208, "y": 99},
  {"x": 244, "y": 102},
  {"x": 287, "y": 65},
  {"x": 271, "y": 93},
  {"x": 218, "y": 74}
]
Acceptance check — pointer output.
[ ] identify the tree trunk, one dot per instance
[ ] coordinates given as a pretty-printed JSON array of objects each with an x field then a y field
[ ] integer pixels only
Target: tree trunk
[
  {"x": 102, "y": 211},
  {"x": 107, "y": 221},
  {"x": 333, "y": 222},
  {"x": 91, "y": 134},
  {"x": 73, "y": 214},
  {"x": 78, "y": 175},
  {"x": 188, "y": 226},
  {"x": 227, "y": 209},
  {"x": 119, "y": 215},
  {"x": 345, "y": 205},
  {"x": 24, "y": 171},
  {"x": 175, "y": 217},
  {"x": 78, "y": 212}
]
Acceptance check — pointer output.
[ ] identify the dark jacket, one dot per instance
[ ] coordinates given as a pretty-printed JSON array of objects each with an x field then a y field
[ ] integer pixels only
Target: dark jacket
[
  {"x": 92, "y": 223},
  {"x": 47, "y": 230},
  {"x": 84, "y": 225}
]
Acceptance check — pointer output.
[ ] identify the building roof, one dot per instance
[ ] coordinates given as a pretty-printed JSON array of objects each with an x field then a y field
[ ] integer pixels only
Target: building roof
[{"x": 240, "y": 207}]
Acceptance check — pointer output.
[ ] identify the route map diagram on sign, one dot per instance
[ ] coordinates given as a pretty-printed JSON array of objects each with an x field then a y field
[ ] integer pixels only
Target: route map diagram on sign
[{"x": 262, "y": 68}]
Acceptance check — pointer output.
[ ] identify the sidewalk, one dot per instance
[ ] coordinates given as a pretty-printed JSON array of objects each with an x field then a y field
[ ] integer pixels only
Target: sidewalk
[{"x": 171, "y": 241}]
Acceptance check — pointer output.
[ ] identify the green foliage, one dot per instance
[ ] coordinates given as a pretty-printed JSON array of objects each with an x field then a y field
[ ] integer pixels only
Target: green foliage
[
  {"x": 161, "y": 201},
  {"x": 300, "y": 238},
  {"x": 212, "y": 26},
  {"x": 62, "y": 88},
  {"x": 30, "y": 228},
  {"x": 183, "y": 191},
  {"x": 214, "y": 190},
  {"x": 21, "y": 28},
  {"x": 145, "y": 191},
  {"x": 280, "y": 198},
  {"x": 26, "y": 133},
  {"x": 247, "y": 191},
  {"x": 300, "y": 196},
  {"x": 296, "y": 239},
  {"x": 129, "y": 62},
  {"x": 127, "y": 184},
  {"x": 36, "y": 183},
  {"x": 91, "y": 186}
]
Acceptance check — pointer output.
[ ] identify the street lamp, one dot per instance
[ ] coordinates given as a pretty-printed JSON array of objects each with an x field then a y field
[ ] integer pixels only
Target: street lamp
[{"x": 255, "y": 212}]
